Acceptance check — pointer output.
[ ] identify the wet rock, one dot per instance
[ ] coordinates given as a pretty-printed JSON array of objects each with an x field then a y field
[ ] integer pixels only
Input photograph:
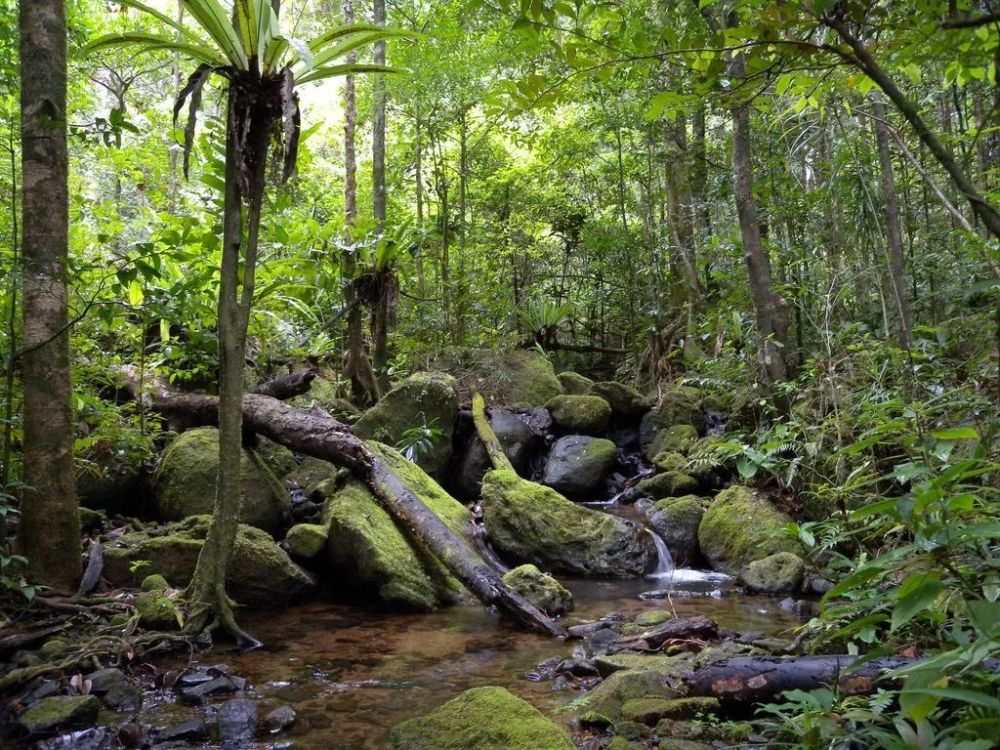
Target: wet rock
[
  {"x": 221, "y": 685},
  {"x": 578, "y": 465},
  {"x": 132, "y": 734},
  {"x": 279, "y": 719},
  {"x": 192, "y": 729},
  {"x": 575, "y": 384},
  {"x": 237, "y": 723},
  {"x": 102, "y": 679},
  {"x": 780, "y": 573},
  {"x": 669, "y": 484},
  {"x": 486, "y": 718},
  {"x": 260, "y": 572},
  {"x": 676, "y": 521},
  {"x": 542, "y": 590},
  {"x": 539, "y": 420},
  {"x": 677, "y": 405},
  {"x": 739, "y": 527},
  {"x": 626, "y": 402},
  {"x": 157, "y": 611},
  {"x": 59, "y": 711},
  {"x": 424, "y": 398},
  {"x": 528, "y": 522},
  {"x": 577, "y": 668},
  {"x": 580, "y": 415},
  {"x": 123, "y": 696},
  {"x": 678, "y": 438},
  {"x": 651, "y": 711},
  {"x": 367, "y": 548},
  {"x": 94, "y": 738},
  {"x": 517, "y": 440},
  {"x": 186, "y": 477}
]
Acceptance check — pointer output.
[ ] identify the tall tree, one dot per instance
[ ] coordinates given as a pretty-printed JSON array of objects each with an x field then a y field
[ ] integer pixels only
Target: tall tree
[
  {"x": 49, "y": 534},
  {"x": 380, "y": 312}
]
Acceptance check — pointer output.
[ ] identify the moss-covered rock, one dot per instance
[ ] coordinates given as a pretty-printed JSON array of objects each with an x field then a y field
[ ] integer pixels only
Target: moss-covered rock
[
  {"x": 577, "y": 465},
  {"x": 575, "y": 384},
  {"x": 646, "y": 620},
  {"x": 580, "y": 415},
  {"x": 650, "y": 711},
  {"x": 626, "y": 402},
  {"x": 529, "y": 378},
  {"x": 424, "y": 398},
  {"x": 154, "y": 582},
  {"x": 304, "y": 541},
  {"x": 366, "y": 546},
  {"x": 668, "y": 484},
  {"x": 541, "y": 589},
  {"x": 677, "y": 405},
  {"x": 260, "y": 573},
  {"x": 608, "y": 664},
  {"x": 621, "y": 687},
  {"x": 279, "y": 459},
  {"x": 60, "y": 711},
  {"x": 486, "y": 718},
  {"x": 739, "y": 527},
  {"x": 678, "y": 438},
  {"x": 91, "y": 520},
  {"x": 528, "y": 522},
  {"x": 670, "y": 461},
  {"x": 518, "y": 441},
  {"x": 157, "y": 611},
  {"x": 185, "y": 482},
  {"x": 324, "y": 394},
  {"x": 676, "y": 520},
  {"x": 311, "y": 475},
  {"x": 780, "y": 573}
]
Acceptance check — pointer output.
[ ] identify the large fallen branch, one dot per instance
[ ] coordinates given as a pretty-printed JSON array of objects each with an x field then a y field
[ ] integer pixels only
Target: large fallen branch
[{"x": 315, "y": 433}]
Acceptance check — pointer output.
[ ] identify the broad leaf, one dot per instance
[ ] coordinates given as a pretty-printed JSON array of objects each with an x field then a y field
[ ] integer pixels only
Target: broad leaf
[
  {"x": 345, "y": 70},
  {"x": 215, "y": 21},
  {"x": 153, "y": 43}
]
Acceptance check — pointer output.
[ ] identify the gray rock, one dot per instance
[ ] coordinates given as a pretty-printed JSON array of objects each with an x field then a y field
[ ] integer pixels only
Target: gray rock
[
  {"x": 578, "y": 465},
  {"x": 123, "y": 696},
  {"x": 95, "y": 738},
  {"x": 237, "y": 720},
  {"x": 517, "y": 440},
  {"x": 280, "y": 718},
  {"x": 59, "y": 711},
  {"x": 192, "y": 729}
]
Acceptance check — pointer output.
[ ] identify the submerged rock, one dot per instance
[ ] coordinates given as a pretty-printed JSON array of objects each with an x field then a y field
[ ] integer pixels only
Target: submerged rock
[
  {"x": 366, "y": 546},
  {"x": 780, "y": 573},
  {"x": 578, "y": 465},
  {"x": 626, "y": 402},
  {"x": 541, "y": 589},
  {"x": 260, "y": 573},
  {"x": 739, "y": 527},
  {"x": 575, "y": 384},
  {"x": 185, "y": 482},
  {"x": 528, "y": 522},
  {"x": 485, "y": 718},
  {"x": 676, "y": 520},
  {"x": 580, "y": 415},
  {"x": 423, "y": 399}
]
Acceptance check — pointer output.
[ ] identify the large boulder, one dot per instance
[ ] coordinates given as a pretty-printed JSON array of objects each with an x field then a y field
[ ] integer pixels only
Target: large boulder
[
  {"x": 485, "y": 718},
  {"x": 678, "y": 438},
  {"x": 324, "y": 393},
  {"x": 677, "y": 405},
  {"x": 580, "y": 415},
  {"x": 260, "y": 573},
  {"x": 185, "y": 482},
  {"x": 516, "y": 438},
  {"x": 575, "y": 384},
  {"x": 780, "y": 573},
  {"x": 626, "y": 402},
  {"x": 118, "y": 481},
  {"x": 530, "y": 523},
  {"x": 59, "y": 711},
  {"x": 676, "y": 520},
  {"x": 668, "y": 484},
  {"x": 530, "y": 379},
  {"x": 739, "y": 527},
  {"x": 368, "y": 549},
  {"x": 578, "y": 465},
  {"x": 539, "y": 588},
  {"x": 425, "y": 398}
]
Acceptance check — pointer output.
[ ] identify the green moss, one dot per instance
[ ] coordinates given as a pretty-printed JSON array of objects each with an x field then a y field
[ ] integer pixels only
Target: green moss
[
  {"x": 277, "y": 458},
  {"x": 575, "y": 384},
  {"x": 53, "y": 648},
  {"x": 677, "y": 405},
  {"x": 59, "y": 711},
  {"x": 91, "y": 520},
  {"x": 609, "y": 663},
  {"x": 780, "y": 573},
  {"x": 185, "y": 482},
  {"x": 541, "y": 589},
  {"x": 620, "y": 743},
  {"x": 577, "y": 465},
  {"x": 678, "y": 438},
  {"x": 532, "y": 380},
  {"x": 366, "y": 544},
  {"x": 580, "y": 415},
  {"x": 425, "y": 398},
  {"x": 306, "y": 540},
  {"x": 529, "y": 522},
  {"x": 739, "y": 527},
  {"x": 155, "y": 582},
  {"x": 156, "y": 611},
  {"x": 260, "y": 573},
  {"x": 632, "y": 730},
  {"x": 670, "y": 461},
  {"x": 619, "y": 688},
  {"x": 676, "y": 520},
  {"x": 650, "y": 711},
  {"x": 313, "y": 476},
  {"x": 324, "y": 394},
  {"x": 625, "y": 400},
  {"x": 669, "y": 484},
  {"x": 486, "y": 718}
]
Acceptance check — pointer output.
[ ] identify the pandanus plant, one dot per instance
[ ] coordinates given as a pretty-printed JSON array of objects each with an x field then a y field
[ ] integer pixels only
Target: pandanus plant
[{"x": 261, "y": 67}]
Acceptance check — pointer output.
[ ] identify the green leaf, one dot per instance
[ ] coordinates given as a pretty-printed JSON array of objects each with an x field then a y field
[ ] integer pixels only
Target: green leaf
[
  {"x": 248, "y": 14},
  {"x": 959, "y": 694},
  {"x": 956, "y": 433},
  {"x": 143, "y": 8},
  {"x": 919, "y": 592},
  {"x": 153, "y": 43},
  {"x": 215, "y": 21},
  {"x": 345, "y": 70}
]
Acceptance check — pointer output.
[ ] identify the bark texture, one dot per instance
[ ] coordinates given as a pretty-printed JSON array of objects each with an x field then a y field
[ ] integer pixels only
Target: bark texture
[{"x": 49, "y": 533}]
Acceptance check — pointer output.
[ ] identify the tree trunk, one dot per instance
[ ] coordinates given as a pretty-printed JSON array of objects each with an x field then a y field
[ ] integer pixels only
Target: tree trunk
[
  {"x": 49, "y": 533},
  {"x": 381, "y": 313},
  {"x": 682, "y": 213},
  {"x": 770, "y": 310},
  {"x": 418, "y": 149},
  {"x": 894, "y": 237},
  {"x": 317, "y": 434}
]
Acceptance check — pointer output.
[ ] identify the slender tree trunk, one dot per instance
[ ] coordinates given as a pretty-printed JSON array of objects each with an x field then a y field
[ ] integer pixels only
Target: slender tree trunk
[
  {"x": 463, "y": 187},
  {"x": 679, "y": 175},
  {"x": 381, "y": 314},
  {"x": 894, "y": 236},
  {"x": 770, "y": 310},
  {"x": 49, "y": 532},
  {"x": 418, "y": 148}
]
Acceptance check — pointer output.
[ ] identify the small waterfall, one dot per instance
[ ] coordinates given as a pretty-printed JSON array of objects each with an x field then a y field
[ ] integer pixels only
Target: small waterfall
[{"x": 665, "y": 561}]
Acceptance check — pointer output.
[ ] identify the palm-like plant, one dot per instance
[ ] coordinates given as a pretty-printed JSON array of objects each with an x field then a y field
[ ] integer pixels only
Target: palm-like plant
[{"x": 261, "y": 67}]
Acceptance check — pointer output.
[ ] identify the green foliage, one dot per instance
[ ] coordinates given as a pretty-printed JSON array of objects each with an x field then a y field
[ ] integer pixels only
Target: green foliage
[{"x": 420, "y": 441}]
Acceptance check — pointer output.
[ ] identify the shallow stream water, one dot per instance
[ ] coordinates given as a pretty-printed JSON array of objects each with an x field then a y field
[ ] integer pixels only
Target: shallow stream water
[{"x": 352, "y": 673}]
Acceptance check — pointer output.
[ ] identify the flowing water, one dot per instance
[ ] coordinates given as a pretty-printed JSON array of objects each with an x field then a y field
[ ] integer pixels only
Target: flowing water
[{"x": 352, "y": 674}]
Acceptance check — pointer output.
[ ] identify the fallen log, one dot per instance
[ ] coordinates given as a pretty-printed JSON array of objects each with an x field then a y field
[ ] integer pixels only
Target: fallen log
[
  {"x": 316, "y": 433},
  {"x": 761, "y": 678},
  {"x": 677, "y": 628},
  {"x": 288, "y": 386}
]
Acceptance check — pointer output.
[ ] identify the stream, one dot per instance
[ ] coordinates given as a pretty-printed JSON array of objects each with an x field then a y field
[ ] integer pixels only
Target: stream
[{"x": 352, "y": 673}]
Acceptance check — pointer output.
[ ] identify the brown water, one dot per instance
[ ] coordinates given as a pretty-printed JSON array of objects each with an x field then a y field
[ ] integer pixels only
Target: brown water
[{"x": 351, "y": 674}]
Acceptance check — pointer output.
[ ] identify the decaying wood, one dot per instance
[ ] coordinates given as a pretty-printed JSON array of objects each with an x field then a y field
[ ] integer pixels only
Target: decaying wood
[
  {"x": 698, "y": 627},
  {"x": 95, "y": 565},
  {"x": 761, "y": 678},
  {"x": 316, "y": 433},
  {"x": 288, "y": 386},
  {"x": 489, "y": 439}
]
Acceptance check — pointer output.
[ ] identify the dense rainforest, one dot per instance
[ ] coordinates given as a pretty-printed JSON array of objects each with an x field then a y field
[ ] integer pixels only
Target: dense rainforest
[{"x": 500, "y": 374}]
